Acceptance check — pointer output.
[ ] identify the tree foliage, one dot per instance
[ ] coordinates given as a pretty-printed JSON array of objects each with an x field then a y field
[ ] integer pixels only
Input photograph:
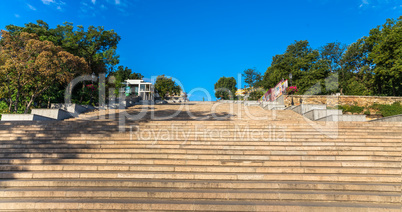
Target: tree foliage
[
  {"x": 386, "y": 54},
  {"x": 166, "y": 86},
  {"x": 370, "y": 66},
  {"x": 96, "y": 45},
  {"x": 251, "y": 77},
  {"x": 121, "y": 74},
  {"x": 30, "y": 67},
  {"x": 225, "y": 88},
  {"x": 256, "y": 95},
  {"x": 303, "y": 62}
]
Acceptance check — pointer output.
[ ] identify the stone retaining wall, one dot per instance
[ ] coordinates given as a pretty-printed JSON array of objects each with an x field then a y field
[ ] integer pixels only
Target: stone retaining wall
[{"x": 332, "y": 101}]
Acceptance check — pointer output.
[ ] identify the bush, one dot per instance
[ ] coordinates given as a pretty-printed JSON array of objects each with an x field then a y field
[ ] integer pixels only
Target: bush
[
  {"x": 387, "y": 110},
  {"x": 292, "y": 90},
  {"x": 367, "y": 112},
  {"x": 256, "y": 95},
  {"x": 391, "y": 110},
  {"x": 354, "y": 109},
  {"x": 3, "y": 108}
]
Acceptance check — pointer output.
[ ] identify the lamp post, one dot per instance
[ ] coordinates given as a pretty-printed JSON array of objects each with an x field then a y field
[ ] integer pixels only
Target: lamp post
[{"x": 290, "y": 78}]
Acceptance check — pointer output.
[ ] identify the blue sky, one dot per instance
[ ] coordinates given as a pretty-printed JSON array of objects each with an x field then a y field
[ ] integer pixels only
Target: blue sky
[{"x": 199, "y": 41}]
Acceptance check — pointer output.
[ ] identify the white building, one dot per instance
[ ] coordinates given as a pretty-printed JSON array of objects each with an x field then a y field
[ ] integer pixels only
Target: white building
[{"x": 141, "y": 88}]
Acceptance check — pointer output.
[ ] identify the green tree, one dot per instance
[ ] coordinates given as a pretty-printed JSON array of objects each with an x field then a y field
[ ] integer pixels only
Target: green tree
[
  {"x": 256, "y": 95},
  {"x": 135, "y": 76},
  {"x": 252, "y": 77},
  {"x": 95, "y": 44},
  {"x": 121, "y": 74},
  {"x": 32, "y": 66},
  {"x": 225, "y": 88},
  {"x": 165, "y": 86},
  {"x": 387, "y": 56},
  {"x": 357, "y": 74},
  {"x": 305, "y": 65},
  {"x": 332, "y": 54}
]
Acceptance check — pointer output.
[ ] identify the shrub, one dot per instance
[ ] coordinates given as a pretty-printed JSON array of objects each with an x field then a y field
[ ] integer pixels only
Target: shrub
[
  {"x": 3, "y": 108},
  {"x": 291, "y": 90},
  {"x": 356, "y": 109},
  {"x": 367, "y": 112},
  {"x": 256, "y": 95},
  {"x": 391, "y": 110}
]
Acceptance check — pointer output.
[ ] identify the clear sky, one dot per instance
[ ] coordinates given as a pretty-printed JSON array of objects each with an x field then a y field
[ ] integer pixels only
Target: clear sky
[{"x": 199, "y": 41}]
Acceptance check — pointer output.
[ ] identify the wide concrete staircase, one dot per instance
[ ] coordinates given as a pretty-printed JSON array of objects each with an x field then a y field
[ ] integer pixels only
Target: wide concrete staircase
[{"x": 237, "y": 158}]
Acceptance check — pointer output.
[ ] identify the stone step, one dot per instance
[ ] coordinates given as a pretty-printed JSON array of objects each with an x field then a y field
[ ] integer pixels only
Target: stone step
[
  {"x": 201, "y": 176},
  {"x": 201, "y": 194},
  {"x": 305, "y": 123},
  {"x": 202, "y": 184},
  {"x": 195, "y": 162},
  {"x": 92, "y": 126},
  {"x": 204, "y": 169},
  {"x": 267, "y": 127},
  {"x": 76, "y": 165},
  {"x": 201, "y": 151},
  {"x": 280, "y": 136},
  {"x": 227, "y": 130},
  {"x": 213, "y": 145},
  {"x": 195, "y": 148},
  {"x": 202, "y": 157},
  {"x": 226, "y": 144},
  {"x": 104, "y": 123},
  {"x": 190, "y": 205}
]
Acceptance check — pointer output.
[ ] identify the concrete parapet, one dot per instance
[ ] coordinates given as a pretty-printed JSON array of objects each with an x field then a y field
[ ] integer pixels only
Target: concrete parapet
[
  {"x": 303, "y": 108},
  {"x": 396, "y": 118},
  {"x": 57, "y": 114},
  {"x": 75, "y": 109},
  {"x": 24, "y": 117},
  {"x": 320, "y": 113},
  {"x": 336, "y": 118}
]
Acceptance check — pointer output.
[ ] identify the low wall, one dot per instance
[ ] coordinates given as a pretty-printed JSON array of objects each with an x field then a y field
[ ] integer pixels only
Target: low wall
[
  {"x": 397, "y": 118},
  {"x": 331, "y": 101}
]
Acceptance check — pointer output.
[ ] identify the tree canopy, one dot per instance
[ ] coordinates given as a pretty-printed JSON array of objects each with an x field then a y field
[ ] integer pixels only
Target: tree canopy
[
  {"x": 96, "y": 45},
  {"x": 37, "y": 62},
  {"x": 251, "y": 77},
  {"x": 166, "y": 86},
  {"x": 225, "y": 88},
  {"x": 370, "y": 66},
  {"x": 31, "y": 66}
]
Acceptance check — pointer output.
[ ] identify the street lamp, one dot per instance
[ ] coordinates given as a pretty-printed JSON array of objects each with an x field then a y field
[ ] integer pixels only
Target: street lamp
[
  {"x": 93, "y": 76},
  {"x": 290, "y": 77}
]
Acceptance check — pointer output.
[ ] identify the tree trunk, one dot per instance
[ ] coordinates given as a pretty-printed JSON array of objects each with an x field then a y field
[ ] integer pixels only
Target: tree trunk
[
  {"x": 10, "y": 105},
  {"x": 379, "y": 87},
  {"x": 82, "y": 94},
  {"x": 16, "y": 101},
  {"x": 29, "y": 104},
  {"x": 17, "y": 98},
  {"x": 48, "y": 103}
]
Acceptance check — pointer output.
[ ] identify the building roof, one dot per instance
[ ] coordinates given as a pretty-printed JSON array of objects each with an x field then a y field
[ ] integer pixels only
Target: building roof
[{"x": 136, "y": 82}]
